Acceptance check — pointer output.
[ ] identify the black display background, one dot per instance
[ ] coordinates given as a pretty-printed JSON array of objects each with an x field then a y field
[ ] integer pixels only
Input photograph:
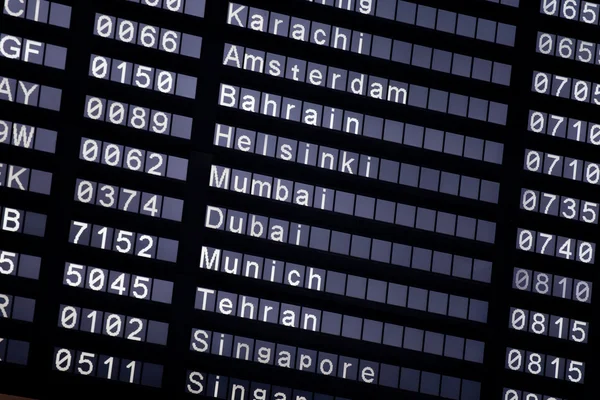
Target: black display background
[{"x": 39, "y": 381}]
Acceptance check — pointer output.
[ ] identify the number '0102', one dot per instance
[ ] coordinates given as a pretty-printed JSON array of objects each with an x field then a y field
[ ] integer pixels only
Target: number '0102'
[{"x": 113, "y": 325}]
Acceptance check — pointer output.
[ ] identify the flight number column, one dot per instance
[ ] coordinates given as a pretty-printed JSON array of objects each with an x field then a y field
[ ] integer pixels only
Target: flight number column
[
  {"x": 133, "y": 163},
  {"x": 556, "y": 233}
]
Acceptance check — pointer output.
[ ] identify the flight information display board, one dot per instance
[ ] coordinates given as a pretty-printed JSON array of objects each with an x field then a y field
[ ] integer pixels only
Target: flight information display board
[{"x": 299, "y": 200}]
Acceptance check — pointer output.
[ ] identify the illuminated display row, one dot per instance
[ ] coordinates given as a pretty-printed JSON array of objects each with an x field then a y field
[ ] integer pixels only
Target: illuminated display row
[
  {"x": 105, "y": 280},
  {"x": 113, "y": 325},
  {"x": 194, "y": 8},
  {"x": 552, "y": 285},
  {"x": 21, "y": 265},
  {"x": 295, "y": 275},
  {"x": 142, "y": 76},
  {"x": 307, "y": 195},
  {"x": 434, "y": 18},
  {"x": 554, "y": 245},
  {"x": 318, "y": 115},
  {"x": 46, "y": 12},
  {"x": 272, "y": 271},
  {"x": 569, "y": 48},
  {"x": 148, "y": 36},
  {"x": 334, "y": 365},
  {"x": 565, "y": 207},
  {"x": 32, "y": 51},
  {"x": 298, "y": 29},
  {"x": 14, "y": 351},
  {"x": 575, "y": 10},
  {"x": 564, "y": 127},
  {"x": 545, "y": 365},
  {"x": 27, "y": 222},
  {"x": 548, "y": 325},
  {"x": 351, "y": 163},
  {"x": 27, "y": 137},
  {"x": 299, "y": 317},
  {"x": 132, "y": 159},
  {"x": 388, "y": 49},
  {"x": 30, "y": 94},
  {"x": 15, "y": 307},
  {"x": 223, "y": 387},
  {"x": 107, "y": 367},
  {"x": 125, "y": 242},
  {"x": 132, "y": 116},
  {"x": 337, "y": 78},
  {"x": 25, "y": 179},
  {"x": 135, "y": 201}
]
